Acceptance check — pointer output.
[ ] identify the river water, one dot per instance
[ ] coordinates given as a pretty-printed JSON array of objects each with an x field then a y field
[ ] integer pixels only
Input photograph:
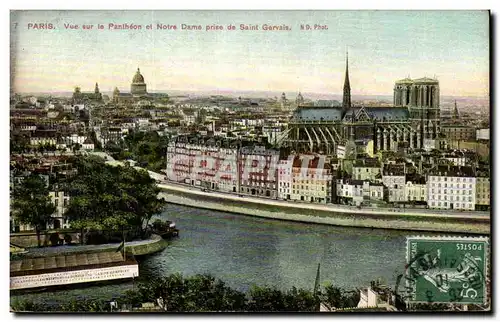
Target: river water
[{"x": 244, "y": 250}]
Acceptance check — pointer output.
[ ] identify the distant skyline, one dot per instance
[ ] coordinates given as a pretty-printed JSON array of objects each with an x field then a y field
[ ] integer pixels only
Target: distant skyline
[{"x": 384, "y": 46}]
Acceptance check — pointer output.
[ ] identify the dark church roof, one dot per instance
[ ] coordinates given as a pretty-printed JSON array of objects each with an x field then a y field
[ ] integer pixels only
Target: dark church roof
[
  {"x": 335, "y": 113},
  {"x": 380, "y": 112},
  {"x": 318, "y": 114}
]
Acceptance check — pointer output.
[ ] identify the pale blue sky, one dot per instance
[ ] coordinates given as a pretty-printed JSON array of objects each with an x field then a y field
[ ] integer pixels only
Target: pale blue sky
[{"x": 383, "y": 46}]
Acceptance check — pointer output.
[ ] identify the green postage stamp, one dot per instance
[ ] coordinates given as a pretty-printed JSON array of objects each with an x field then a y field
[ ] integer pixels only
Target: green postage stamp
[{"x": 447, "y": 270}]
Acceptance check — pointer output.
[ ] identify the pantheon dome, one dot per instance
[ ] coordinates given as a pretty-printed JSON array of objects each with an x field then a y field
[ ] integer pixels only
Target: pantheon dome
[{"x": 138, "y": 86}]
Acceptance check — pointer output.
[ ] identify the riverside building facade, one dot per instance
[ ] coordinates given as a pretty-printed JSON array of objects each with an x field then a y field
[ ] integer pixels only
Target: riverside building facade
[
  {"x": 451, "y": 187},
  {"x": 257, "y": 171}
]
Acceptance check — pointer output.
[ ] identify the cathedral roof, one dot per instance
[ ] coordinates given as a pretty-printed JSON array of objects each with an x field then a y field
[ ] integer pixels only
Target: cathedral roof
[
  {"x": 328, "y": 114},
  {"x": 389, "y": 113},
  {"x": 319, "y": 114},
  {"x": 380, "y": 113},
  {"x": 138, "y": 78}
]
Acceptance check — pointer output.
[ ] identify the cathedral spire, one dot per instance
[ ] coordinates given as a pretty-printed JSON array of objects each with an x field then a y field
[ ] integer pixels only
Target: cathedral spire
[
  {"x": 456, "y": 116},
  {"x": 346, "y": 100}
]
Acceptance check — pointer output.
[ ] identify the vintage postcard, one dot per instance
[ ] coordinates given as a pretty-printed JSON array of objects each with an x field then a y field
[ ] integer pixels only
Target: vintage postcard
[{"x": 250, "y": 161}]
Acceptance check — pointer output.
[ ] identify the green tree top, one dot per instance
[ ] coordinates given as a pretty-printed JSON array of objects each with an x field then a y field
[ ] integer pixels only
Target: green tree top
[
  {"x": 32, "y": 204},
  {"x": 107, "y": 197}
]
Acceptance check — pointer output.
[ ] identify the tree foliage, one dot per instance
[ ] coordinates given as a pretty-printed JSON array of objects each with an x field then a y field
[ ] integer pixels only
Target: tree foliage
[
  {"x": 32, "y": 204},
  {"x": 199, "y": 293},
  {"x": 75, "y": 305},
  {"x": 147, "y": 148},
  {"x": 204, "y": 293},
  {"x": 19, "y": 142},
  {"x": 335, "y": 297},
  {"x": 107, "y": 197}
]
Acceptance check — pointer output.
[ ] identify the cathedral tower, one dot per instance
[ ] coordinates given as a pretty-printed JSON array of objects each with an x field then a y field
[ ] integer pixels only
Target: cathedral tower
[{"x": 346, "y": 99}]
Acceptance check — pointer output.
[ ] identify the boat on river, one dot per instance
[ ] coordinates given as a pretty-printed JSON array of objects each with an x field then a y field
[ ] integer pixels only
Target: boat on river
[{"x": 165, "y": 228}]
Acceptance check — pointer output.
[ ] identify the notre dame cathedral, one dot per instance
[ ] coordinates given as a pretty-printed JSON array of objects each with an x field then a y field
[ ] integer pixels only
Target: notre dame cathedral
[{"x": 413, "y": 118}]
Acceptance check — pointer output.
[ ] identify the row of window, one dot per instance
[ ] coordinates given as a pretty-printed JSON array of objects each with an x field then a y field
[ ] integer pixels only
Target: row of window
[
  {"x": 319, "y": 180},
  {"x": 299, "y": 192},
  {"x": 453, "y": 192},
  {"x": 312, "y": 181},
  {"x": 307, "y": 187},
  {"x": 360, "y": 187},
  {"x": 312, "y": 199},
  {"x": 257, "y": 192},
  {"x": 312, "y": 187},
  {"x": 452, "y": 179},
  {"x": 258, "y": 184},
  {"x": 415, "y": 192},
  {"x": 451, "y": 198},
  {"x": 453, "y": 186},
  {"x": 455, "y": 205}
]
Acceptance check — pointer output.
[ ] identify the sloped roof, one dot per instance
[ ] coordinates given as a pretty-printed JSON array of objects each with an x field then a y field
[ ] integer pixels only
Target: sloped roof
[
  {"x": 31, "y": 266},
  {"x": 381, "y": 113},
  {"x": 318, "y": 114}
]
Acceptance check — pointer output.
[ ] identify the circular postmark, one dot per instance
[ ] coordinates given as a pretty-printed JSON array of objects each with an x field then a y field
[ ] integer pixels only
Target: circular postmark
[{"x": 442, "y": 272}]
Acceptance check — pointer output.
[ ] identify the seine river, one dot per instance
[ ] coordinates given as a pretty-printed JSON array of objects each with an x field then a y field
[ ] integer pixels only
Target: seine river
[{"x": 243, "y": 251}]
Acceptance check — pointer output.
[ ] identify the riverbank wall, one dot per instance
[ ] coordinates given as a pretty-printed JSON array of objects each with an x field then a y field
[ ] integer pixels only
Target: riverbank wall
[
  {"x": 155, "y": 245},
  {"x": 29, "y": 239},
  {"x": 466, "y": 223},
  {"x": 137, "y": 248}
]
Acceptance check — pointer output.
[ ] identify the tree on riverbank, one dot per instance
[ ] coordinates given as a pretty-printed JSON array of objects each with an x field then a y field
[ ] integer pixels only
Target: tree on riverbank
[
  {"x": 104, "y": 197},
  {"x": 32, "y": 205},
  {"x": 148, "y": 149},
  {"x": 335, "y": 297},
  {"x": 203, "y": 293},
  {"x": 200, "y": 293},
  {"x": 194, "y": 294}
]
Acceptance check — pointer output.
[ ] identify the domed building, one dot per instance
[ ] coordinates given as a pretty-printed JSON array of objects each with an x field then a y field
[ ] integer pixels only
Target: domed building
[
  {"x": 138, "y": 86},
  {"x": 80, "y": 97},
  {"x": 138, "y": 92}
]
